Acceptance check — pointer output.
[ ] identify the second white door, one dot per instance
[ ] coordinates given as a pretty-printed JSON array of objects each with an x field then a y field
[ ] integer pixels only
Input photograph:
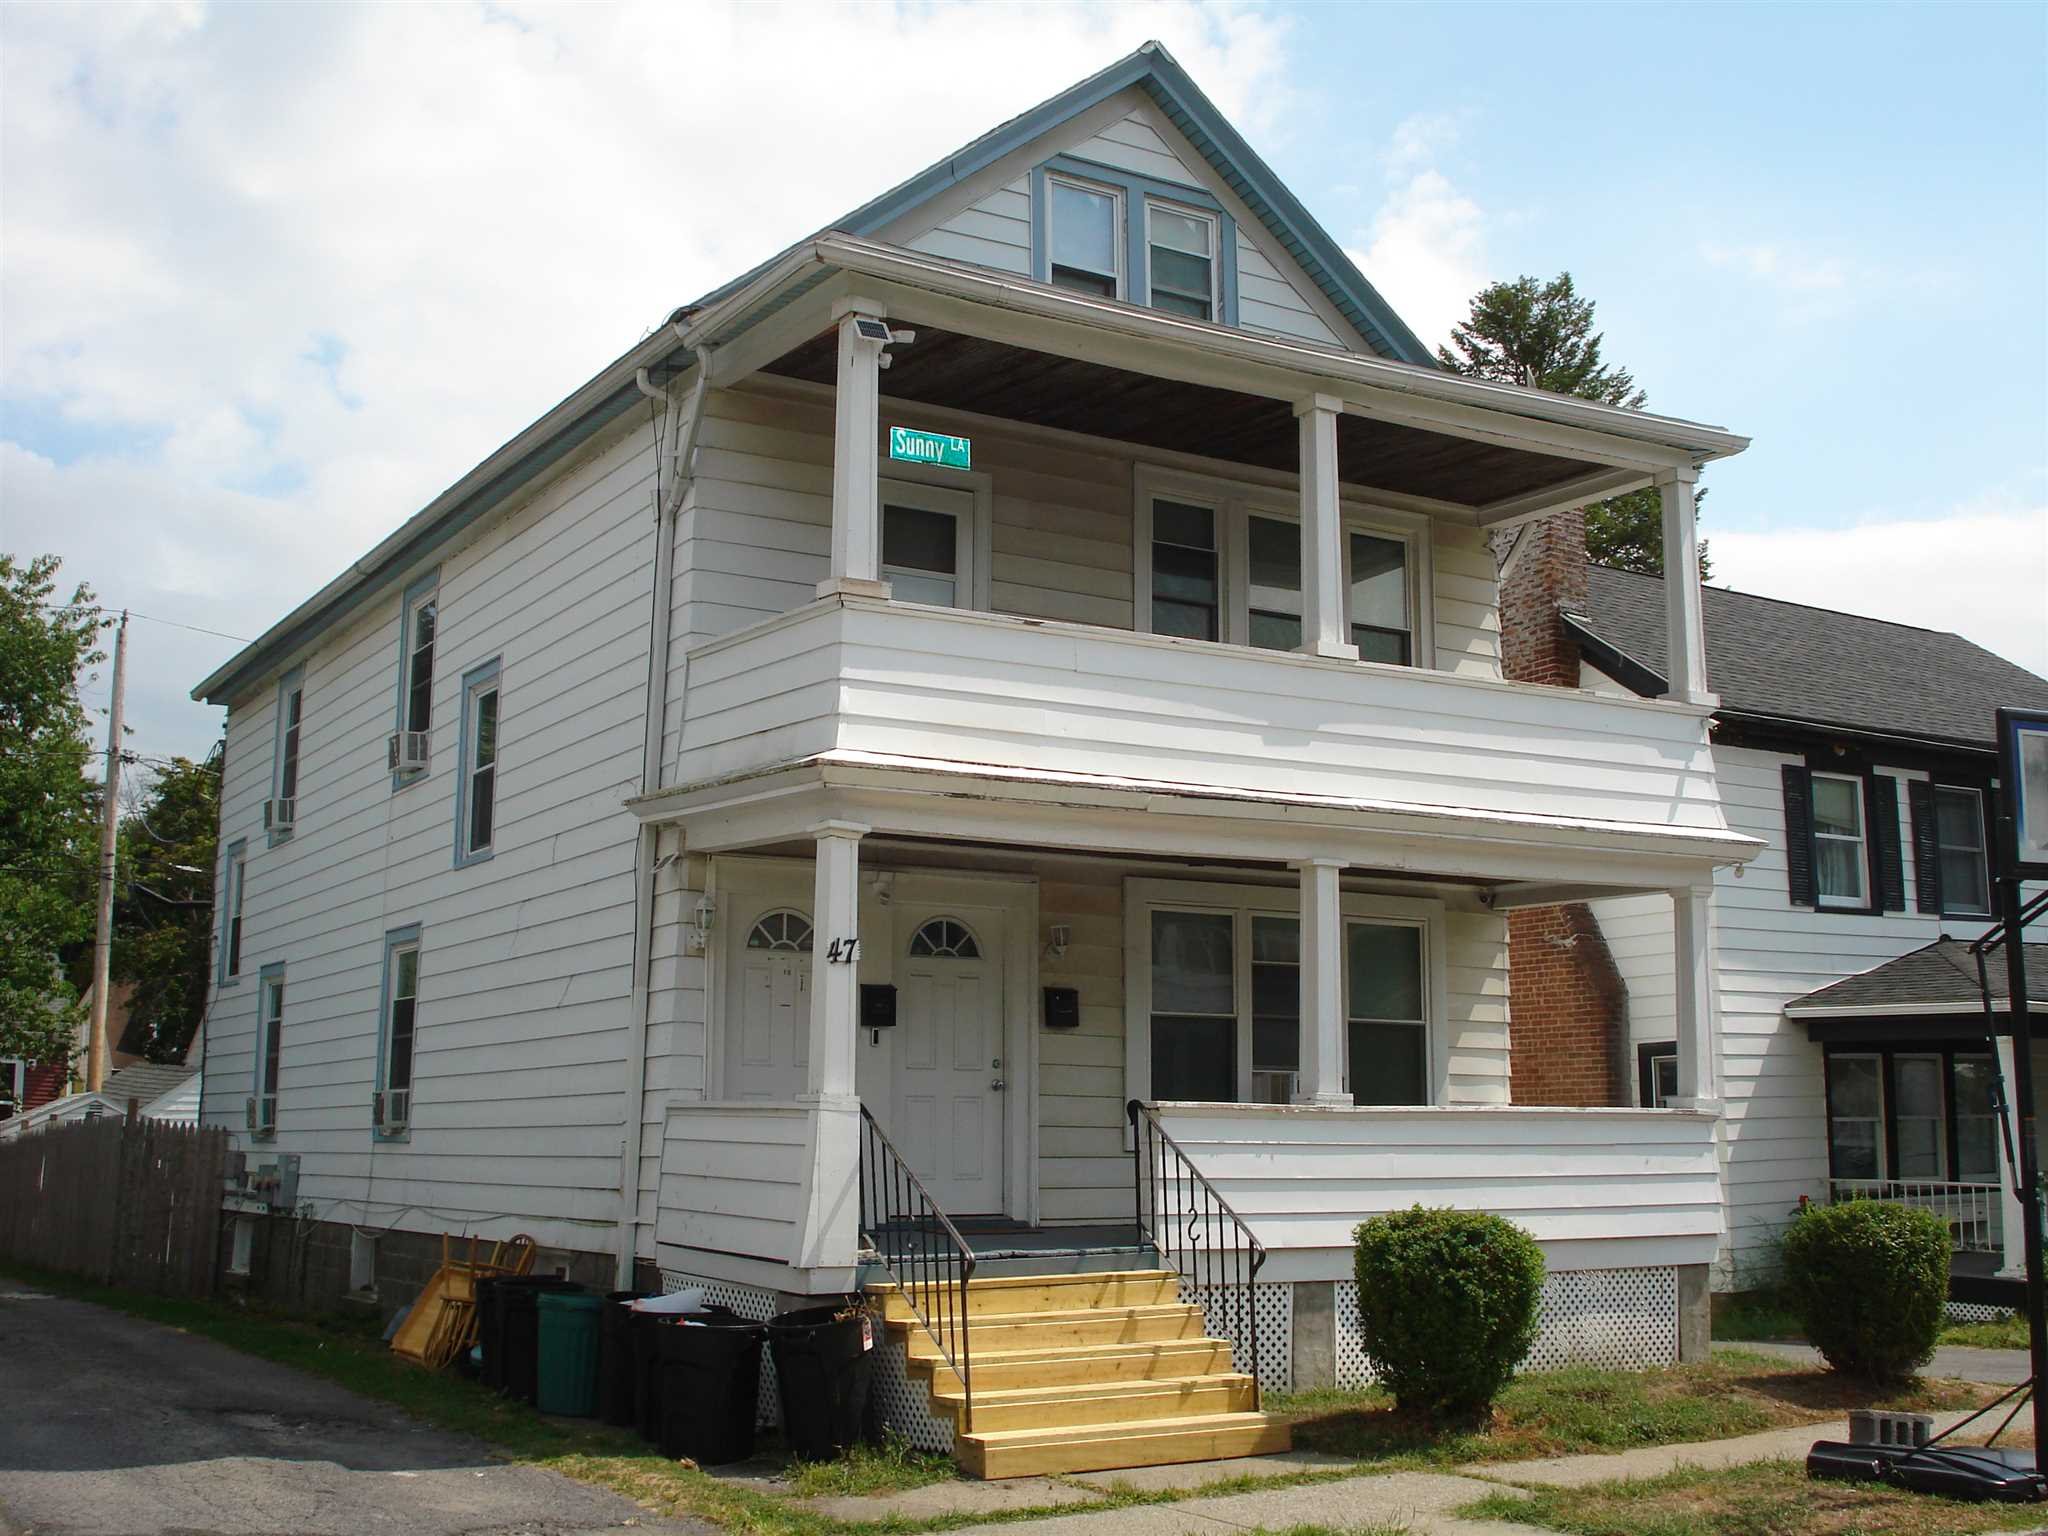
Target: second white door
[{"x": 950, "y": 1078}]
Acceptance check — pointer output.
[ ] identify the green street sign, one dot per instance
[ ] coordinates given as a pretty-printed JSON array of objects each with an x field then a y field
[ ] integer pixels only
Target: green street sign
[{"x": 917, "y": 447}]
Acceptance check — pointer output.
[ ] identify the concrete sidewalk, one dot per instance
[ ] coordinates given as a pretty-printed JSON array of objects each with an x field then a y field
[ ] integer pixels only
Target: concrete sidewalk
[
  {"x": 1421, "y": 1503},
  {"x": 2004, "y": 1367}
]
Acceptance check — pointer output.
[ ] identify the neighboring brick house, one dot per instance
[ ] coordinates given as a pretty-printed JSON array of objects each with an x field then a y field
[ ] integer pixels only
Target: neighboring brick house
[{"x": 1862, "y": 753}]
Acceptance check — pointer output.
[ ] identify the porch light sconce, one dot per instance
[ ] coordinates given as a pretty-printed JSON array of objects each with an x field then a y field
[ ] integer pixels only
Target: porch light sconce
[
  {"x": 1056, "y": 946},
  {"x": 703, "y": 917}
]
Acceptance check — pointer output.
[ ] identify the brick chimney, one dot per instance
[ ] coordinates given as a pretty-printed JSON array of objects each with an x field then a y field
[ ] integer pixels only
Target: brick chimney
[
  {"x": 1547, "y": 574},
  {"x": 1568, "y": 1006}
]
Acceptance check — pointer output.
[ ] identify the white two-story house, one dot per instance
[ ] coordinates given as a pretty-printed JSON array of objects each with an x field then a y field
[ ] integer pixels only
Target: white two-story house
[{"x": 983, "y": 736}]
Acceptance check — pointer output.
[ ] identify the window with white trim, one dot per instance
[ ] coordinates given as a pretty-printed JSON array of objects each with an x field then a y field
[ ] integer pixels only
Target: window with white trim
[
  {"x": 269, "y": 1049},
  {"x": 1215, "y": 975},
  {"x": 1084, "y": 236},
  {"x": 13, "y": 1086},
  {"x": 1656, "y": 1073},
  {"x": 928, "y": 543},
  {"x": 1841, "y": 858},
  {"x": 1224, "y": 563},
  {"x": 476, "y": 800},
  {"x": 1180, "y": 260},
  {"x": 291, "y": 708},
  {"x": 234, "y": 869},
  {"x": 399, "y": 1031},
  {"x": 786, "y": 932},
  {"x": 1919, "y": 1122},
  {"x": 1959, "y": 843},
  {"x": 419, "y": 627}
]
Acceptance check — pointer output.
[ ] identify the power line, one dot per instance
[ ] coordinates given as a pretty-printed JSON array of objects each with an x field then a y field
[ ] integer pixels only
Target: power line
[{"x": 197, "y": 629}]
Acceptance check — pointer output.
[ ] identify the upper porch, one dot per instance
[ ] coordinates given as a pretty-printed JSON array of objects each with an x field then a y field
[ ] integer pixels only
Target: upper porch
[{"x": 1278, "y": 588}]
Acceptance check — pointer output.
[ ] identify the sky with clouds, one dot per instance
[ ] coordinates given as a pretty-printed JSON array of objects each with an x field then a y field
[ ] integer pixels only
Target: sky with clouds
[{"x": 272, "y": 277}]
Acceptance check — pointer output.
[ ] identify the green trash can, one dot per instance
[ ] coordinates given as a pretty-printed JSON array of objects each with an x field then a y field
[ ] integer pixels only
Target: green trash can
[{"x": 568, "y": 1352}]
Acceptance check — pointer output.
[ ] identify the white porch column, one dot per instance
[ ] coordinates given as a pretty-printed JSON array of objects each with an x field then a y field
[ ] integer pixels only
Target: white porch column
[
  {"x": 835, "y": 973},
  {"x": 856, "y": 447},
  {"x": 830, "y": 1235},
  {"x": 1325, "y": 630},
  {"x": 1685, "y": 640},
  {"x": 1322, "y": 985},
  {"x": 1697, "y": 995},
  {"x": 2012, "y": 1221}
]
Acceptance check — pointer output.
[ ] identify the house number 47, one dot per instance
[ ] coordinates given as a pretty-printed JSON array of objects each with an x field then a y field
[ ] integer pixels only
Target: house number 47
[{"x": 843, "y": 951}]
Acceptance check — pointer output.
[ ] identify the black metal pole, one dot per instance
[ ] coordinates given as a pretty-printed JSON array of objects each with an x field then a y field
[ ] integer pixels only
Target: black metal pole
[{"x": 2030, "y": 1163}]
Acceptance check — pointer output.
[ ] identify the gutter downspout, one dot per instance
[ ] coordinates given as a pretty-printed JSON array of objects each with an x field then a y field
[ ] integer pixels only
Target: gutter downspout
[{"x": 666, "y": 512}]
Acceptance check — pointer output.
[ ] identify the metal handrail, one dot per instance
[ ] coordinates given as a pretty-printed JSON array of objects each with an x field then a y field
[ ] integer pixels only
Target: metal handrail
[
  {"x": 903, "y": 1225},
  {"x": 1197, "y": 1234}
]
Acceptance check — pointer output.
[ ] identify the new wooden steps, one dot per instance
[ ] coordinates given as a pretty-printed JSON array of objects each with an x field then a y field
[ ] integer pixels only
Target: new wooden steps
[{"x": 1086, "y": 1373}]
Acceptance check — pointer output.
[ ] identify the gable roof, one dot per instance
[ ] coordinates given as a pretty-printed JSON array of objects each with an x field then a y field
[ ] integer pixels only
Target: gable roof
[
  {"x": 1156, "y": 72},
  {"x": 1937, "y": 978},
  {"x": 1779, "y": 661},
  {"x": 144, "y": 1080}
]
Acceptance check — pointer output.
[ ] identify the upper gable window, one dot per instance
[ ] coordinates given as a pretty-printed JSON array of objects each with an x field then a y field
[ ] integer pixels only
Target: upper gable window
[
  {"x": 1084, "y": 238},
  {"x": 1181, "y": 258},
  {"x": 1840, "y": 864},
  {"x": 1117, "y": 234}
]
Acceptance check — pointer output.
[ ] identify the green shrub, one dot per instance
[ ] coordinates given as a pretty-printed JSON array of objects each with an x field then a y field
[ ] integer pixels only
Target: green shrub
[
  {"x": 1869, "y": 1280},
  {"x": 1448, "y": 1303}
]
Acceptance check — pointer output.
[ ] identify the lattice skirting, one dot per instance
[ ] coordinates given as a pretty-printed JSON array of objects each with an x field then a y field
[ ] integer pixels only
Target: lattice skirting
[
  {"x": 1978, "y": 1312},
  {"x": 1274, "y": 1305},
  {"x": 902, "y": 1405},
  {"x": 1609, "y": 1317},
  {"x": 747, "y": 1302}
]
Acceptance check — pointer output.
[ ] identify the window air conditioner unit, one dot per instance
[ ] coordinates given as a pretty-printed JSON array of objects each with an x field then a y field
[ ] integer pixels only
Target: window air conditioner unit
[
  {"x": 407, "y": 751},
  {"x": 280, "y": 815},
  {"x": 393, "y": 1109},
  {"x": 261, "y": 1113}
]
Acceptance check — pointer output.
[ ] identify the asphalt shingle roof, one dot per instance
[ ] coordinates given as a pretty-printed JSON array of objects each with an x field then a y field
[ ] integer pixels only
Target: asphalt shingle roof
[
  {"x": 1942, "y": 974},
  {"x": 144, "y": 1080},
  {"x": 1787, "y": 660}
]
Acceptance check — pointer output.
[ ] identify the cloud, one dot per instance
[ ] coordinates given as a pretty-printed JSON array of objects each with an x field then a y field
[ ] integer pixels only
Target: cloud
[
  {"x": 1790, "y": 271},
  {"x": 1425, "y": 250},
  {"x": 1981, "y": 572},
  {"x": 276, "y": 276}
]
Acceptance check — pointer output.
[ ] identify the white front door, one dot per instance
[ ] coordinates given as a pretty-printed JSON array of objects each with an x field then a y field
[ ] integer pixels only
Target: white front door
[{"x": 949, "y": 1078}]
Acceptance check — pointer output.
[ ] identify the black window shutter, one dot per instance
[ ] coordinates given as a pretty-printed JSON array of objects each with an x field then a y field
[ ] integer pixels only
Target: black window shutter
[
  {"x": 1926, "y": 856},
  {"x": 1891, "y": 869},
  {"x": 1798, "y": 835}
]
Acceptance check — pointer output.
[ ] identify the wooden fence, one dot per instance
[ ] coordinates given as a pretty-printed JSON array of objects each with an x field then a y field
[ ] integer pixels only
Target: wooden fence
[{"x": 132, "y": 1203}]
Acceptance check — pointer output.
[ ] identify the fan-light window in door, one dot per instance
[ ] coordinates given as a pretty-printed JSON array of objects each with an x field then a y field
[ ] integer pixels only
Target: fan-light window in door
[
  {"x": 944, "y": 937},
  {"x": 787, "y": 932}
]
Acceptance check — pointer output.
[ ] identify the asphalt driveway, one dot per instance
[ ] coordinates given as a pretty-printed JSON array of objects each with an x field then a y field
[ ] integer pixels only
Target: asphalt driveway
[{"x": 109, "y": 1425}]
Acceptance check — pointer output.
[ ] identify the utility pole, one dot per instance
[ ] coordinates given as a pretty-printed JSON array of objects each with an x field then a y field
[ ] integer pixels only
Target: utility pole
[{"x": 110, "y": 825}]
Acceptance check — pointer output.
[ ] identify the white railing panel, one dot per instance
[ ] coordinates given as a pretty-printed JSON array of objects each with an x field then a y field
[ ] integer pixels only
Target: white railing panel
[{"x": 1974, "y": 1213}]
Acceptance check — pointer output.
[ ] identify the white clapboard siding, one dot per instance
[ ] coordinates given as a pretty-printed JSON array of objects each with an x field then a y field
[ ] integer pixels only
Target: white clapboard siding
[
  {"x": 525, "y": 972},
  {"x": 1084, "y": 1171},
  {"x": 1767, "y": 952},
  {"x": 732, "y": 1180},
  {"x": 956, "y": 686},
  {"x": 1598, "y": 1189}
]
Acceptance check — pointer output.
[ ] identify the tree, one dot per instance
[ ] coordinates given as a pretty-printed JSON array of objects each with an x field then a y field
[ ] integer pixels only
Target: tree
[
  {"x": 1541, "y": 335},
  {"x": 49, "y": 837},
  {"x": 163, "y": 912}
]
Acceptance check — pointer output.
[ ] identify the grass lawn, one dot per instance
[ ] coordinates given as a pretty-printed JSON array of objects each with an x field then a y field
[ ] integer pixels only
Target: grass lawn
[
  {"x": 1758, "y": 1315},
  {"x": 1765, "y": 1498},
  {"x": 1550, "y": 1414},
  {"x": 1563, "y": 1413},
  {"x": 2006, "y": 1333}
]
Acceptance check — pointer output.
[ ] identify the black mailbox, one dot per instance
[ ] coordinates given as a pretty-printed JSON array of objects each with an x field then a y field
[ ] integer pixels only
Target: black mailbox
[
  {"x": 1062, "y": 1008},
  {"x": 877, "y": 1006}
]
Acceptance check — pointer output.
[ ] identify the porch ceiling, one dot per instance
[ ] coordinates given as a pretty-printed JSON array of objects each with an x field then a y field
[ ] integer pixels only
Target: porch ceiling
[{"x": 967, "y": 373}]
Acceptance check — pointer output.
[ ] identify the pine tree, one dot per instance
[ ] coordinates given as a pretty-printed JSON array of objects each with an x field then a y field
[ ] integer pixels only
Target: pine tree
[{"x": 1542, "y": 335}]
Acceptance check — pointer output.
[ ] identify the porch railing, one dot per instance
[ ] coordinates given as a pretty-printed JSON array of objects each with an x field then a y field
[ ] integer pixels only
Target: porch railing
[
  {"x": 1973, "y": 1211},
  {"x": 923, "y": 1252},
  {"x": 1197, "y": 1235}
]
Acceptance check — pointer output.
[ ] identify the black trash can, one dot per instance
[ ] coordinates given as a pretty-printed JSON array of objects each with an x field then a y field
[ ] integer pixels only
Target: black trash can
[
  {"x": 618, "y": 1379},
  {"x": 710, "y": 1386},
  {"x": 824, "y": 1366},
  {"x": 518, "y": 1333},
  {"x": 645, "y": 1333}
]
